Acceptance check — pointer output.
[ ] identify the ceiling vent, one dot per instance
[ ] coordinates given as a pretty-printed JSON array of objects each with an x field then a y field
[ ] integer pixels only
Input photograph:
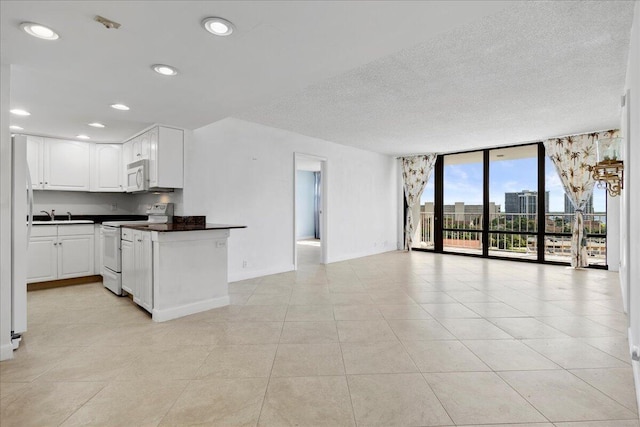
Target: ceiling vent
[{"x": 109, "y": 24}]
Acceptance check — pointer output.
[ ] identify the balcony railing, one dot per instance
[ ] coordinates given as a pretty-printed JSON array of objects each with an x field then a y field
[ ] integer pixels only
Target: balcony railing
[{"x": 514, "y": 235}]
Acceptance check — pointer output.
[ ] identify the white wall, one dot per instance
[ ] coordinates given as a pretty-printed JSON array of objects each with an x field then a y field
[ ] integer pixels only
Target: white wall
[
  {"x": 242, "y": 173},
  {"x": 613, "y": 233},
  {"x": 632, "y": 191},
  {"x": 305, "y": 195},
  {"x": 6, "y": 170}
]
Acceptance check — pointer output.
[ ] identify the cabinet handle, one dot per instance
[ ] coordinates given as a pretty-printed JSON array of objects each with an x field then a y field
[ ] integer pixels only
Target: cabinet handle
[
  {"x": 46, "y": 182},
  {"x": 60, "y": 243},
  {"x": 139, "y": 240},
  {"x": 55, "y": 244},
  {"x": 40, "y": 182}
]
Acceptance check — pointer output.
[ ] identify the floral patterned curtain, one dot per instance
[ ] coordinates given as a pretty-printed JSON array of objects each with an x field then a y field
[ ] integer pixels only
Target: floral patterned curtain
[
  {"x": 574, "y": 156},
  {"x": 415, "y": 174}
]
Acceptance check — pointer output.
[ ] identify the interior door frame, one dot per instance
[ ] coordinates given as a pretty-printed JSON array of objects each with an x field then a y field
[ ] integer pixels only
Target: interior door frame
[{"x": 324, "y": 245}]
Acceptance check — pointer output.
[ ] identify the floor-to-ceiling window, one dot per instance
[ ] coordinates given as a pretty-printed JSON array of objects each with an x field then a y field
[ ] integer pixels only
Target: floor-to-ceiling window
[
  {"x": 513, "y": 202},
  {"x": 463, "y": 207},
  {"x": 505, "y": 202}
]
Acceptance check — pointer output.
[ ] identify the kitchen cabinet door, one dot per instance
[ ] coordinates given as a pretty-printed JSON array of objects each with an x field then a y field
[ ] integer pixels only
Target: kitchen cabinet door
[
  {"x": 66, "y": 165},
  {"x": 106, "y": 168},
  {"x": 140, "y": 147},
  {"x": 42, "y": 259},
  {"x": 128, "y": 267},
  {"x": 127, "y": 154},
  {"x": 145, "y": 145},
  {"x": 75, "y": 256},
  {"x": 35, "y": 147},
  {"x": 144, "y": 274}
]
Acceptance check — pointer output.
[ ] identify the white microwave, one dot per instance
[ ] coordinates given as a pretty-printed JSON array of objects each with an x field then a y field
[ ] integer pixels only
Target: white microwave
[{"x": 138, "y": 176}]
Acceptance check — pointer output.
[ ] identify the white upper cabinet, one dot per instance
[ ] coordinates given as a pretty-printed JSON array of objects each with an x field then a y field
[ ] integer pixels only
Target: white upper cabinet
[
  {"x": 140, "y": 147},
  {"x": 66, "y": 165},
  {"x": 127, "y": 154},
  {"x": 164, "y": 148},
  {"x": 106, "y": 168},
  {"x": 35, "y": 158},
  {"x": 166, "y": 161}
]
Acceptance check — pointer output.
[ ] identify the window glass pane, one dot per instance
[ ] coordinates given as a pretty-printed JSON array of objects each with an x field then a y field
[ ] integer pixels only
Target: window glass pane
[
  {"x": 595, "y": 221},
  {"x": 424, "y": 233},
  {"x": 513, "y": 197},
  {"x": 463, "y": 208}
]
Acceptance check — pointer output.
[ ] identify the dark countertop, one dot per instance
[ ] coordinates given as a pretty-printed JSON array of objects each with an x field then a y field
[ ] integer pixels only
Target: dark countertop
[
  {"x": 182, "y": 227},
  {"x": 97, "y": 219}
]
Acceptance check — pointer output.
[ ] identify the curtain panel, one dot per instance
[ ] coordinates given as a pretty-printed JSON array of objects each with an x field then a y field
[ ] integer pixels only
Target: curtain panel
[
  {"x": 573, "y": 157},
  {"x": 415, "y": 174}
]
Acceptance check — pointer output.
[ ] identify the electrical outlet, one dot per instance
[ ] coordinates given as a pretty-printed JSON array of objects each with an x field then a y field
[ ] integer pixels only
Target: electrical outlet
[
  {"x": 244, "y": 264},
  {"x": 114, "y": 207}
]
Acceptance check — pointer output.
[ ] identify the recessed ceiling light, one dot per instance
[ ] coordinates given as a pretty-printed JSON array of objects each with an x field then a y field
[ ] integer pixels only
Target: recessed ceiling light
[
  {"x": 19, "y": 112},
  {"x": 39, "y": 31},
  {"x": 218, "y": 26},
  {"x": 14, "y": 127},
  {"x": 83, "y": 137},
  {"x": 165, "y": 70},
  {"x": 120, "y": 107},
  {"x": 96, "y": 125}
]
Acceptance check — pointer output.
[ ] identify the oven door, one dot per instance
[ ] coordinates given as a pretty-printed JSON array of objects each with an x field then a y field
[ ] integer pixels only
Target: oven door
[{"x": 111, "y": 248}]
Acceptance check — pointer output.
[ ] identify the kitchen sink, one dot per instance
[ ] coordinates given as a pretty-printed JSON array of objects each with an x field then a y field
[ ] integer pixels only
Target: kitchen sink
[{"x": 63, "y": 222}]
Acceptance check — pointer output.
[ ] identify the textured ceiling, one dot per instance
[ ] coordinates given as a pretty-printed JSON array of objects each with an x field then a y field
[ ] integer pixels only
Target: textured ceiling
[
  {"x": 530, "y": 71},
  {"x": 278, "y": 48}
]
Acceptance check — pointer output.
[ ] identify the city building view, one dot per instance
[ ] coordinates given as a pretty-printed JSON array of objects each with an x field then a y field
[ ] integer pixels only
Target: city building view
[{"x": 513, "y": 230}]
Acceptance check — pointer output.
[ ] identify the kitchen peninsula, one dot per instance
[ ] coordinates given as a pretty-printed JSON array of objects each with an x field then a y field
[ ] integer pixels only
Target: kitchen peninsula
[{"x": 176, "y": 269}]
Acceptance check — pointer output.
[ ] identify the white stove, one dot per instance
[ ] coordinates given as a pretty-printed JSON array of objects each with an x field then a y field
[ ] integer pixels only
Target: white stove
[{"x": 159, "y": 213}]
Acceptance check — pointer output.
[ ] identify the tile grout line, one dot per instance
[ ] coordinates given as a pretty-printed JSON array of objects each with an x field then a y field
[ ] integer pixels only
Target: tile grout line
[{"x": 273, "y": 362}]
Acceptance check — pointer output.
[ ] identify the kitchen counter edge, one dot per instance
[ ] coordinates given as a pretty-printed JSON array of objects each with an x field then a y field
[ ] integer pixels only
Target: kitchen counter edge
[{"x": 168, "y": 228}]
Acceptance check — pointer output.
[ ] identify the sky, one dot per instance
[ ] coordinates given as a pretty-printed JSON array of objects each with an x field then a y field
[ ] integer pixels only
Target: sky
[{"x": 463, "y": 183}]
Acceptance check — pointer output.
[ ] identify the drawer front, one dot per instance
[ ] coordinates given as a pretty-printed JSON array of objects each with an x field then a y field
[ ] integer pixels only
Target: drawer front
[
  {"x": 127, "y": 234},
  {"x": 75, "y": 230},
  {"x": 44, "y": 230}
]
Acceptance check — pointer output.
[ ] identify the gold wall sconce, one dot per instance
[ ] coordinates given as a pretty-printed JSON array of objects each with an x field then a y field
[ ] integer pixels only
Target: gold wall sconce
[{"x": 609, "y": 171}]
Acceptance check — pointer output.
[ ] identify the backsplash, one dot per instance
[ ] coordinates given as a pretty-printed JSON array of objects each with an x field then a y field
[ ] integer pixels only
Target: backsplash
[
  {"x": 190, "y": 220},
  {"x": 84, "y": 203}
]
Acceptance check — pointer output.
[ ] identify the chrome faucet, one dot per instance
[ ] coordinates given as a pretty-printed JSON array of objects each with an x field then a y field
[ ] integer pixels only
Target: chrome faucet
[
  {"x": 69, "y": 215},
  {"x": 50, "y": 215}
]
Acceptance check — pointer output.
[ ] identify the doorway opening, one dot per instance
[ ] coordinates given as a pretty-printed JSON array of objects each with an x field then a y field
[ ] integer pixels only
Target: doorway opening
[{"x": 309, "y": 210}]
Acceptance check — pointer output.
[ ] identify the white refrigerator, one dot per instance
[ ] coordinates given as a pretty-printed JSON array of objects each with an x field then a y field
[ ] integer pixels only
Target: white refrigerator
[{"x": 21, "y": 218}]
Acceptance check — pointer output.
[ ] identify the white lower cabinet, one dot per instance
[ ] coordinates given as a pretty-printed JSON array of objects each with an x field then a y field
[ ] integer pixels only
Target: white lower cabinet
[
  {"x": 75, "y": 256},
  {"x": 42, "y": 259},
  {"x": 128, "y": 267},
  {"x": 144, "y": 269},
  {"x": 60, "y": 252},
  {"x": 137, "y": 266}
]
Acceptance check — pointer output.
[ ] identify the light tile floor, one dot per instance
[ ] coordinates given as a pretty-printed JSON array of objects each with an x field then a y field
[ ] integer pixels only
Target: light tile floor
[{"x": 395, "y": 339}]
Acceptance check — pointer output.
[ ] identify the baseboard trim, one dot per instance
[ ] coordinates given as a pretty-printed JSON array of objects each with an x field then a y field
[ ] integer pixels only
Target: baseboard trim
[
  {"x": 636, "y": 370},
  {"x": 187, "y": 309},
  {"x": 6, "y": 352},
  {"x": 242, "y": 275},
  {"x": 38, "y": 286},
  {"x": 358, "y": 255}
]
